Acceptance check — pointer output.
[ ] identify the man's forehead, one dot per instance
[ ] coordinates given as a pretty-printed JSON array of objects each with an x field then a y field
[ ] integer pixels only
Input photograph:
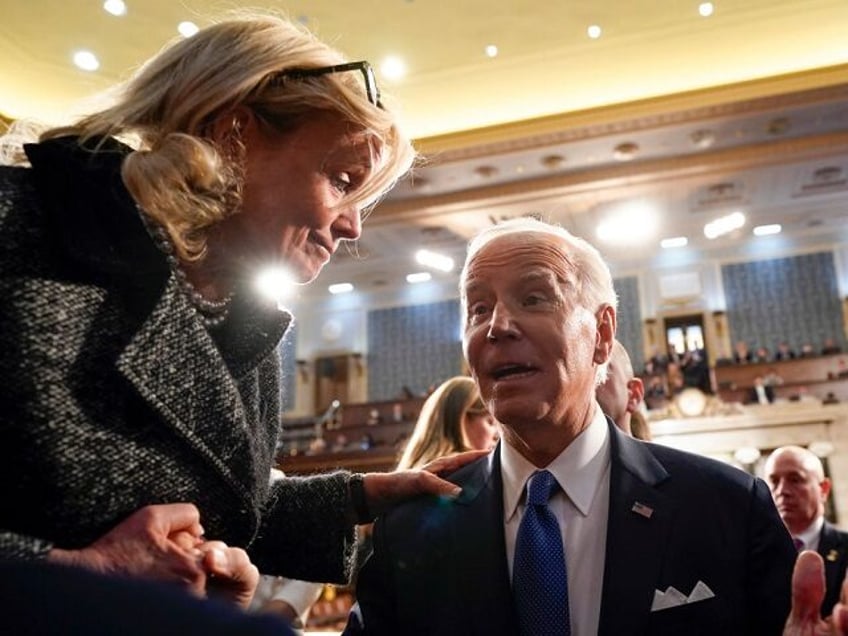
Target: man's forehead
[{"x": 538, "y": 250}]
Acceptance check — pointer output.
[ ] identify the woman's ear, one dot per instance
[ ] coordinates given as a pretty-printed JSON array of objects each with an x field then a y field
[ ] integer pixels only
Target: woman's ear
[
  {"x": 231, "y": 125},
  {"x": 605, "y": 334}
]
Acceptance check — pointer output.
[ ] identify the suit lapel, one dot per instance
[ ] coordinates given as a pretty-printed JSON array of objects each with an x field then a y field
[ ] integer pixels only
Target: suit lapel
[
  {"x": 482, "y": 585},
  {"x": 638, "y": 527},
  {"x": 832, "y": 551},
  {"x": 155, "y": 362}
]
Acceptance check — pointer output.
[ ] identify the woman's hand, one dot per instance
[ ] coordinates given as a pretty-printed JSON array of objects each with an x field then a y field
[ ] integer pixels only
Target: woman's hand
[
  {"x": 230, "y": 574},
  {"x": 155, "y": 542},
  {"x": 808, "y": 589},
  {"x": 384, "y": 490}
]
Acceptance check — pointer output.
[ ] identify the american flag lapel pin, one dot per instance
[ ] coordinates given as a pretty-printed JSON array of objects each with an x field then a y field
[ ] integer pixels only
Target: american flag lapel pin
[
  {"x": 642, "y": 509},
  {"x": 832, "y": 555}
]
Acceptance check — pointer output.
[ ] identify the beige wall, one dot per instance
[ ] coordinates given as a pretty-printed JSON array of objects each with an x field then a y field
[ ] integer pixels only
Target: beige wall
[{"x": 765, "y": 428}]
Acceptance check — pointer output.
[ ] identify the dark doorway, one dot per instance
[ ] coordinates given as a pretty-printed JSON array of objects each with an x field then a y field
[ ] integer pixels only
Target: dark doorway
[{"x": 687, "y": 353}]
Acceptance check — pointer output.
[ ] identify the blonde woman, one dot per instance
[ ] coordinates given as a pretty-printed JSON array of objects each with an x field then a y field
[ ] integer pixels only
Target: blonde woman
[
  {"x": 453, "y": 419},
  {"x": 139, "y": 376}
]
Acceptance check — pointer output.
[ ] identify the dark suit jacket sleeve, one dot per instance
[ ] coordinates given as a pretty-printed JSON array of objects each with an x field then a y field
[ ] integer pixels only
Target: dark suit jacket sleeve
[
  {"x": 376, "y": 609},
  {"x": 769, "y": 574}
]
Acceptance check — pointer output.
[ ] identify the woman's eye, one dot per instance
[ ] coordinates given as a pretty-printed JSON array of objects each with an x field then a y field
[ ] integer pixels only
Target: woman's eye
[{"x": 342, "y": 182}]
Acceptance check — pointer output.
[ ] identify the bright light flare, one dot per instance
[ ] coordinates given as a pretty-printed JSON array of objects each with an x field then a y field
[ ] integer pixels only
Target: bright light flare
[{"x": 275, "y": 283}]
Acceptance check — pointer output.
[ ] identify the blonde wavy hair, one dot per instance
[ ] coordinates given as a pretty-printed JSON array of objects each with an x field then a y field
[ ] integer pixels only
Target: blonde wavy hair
[
  {"x": 165, "y": 111},
  {"x": 438, "y": 431}
]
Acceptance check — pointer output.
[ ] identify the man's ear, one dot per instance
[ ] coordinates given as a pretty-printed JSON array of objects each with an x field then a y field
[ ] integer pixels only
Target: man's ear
[
  {"x": 635, "y": 393},
  {"x": 824, "y": 486},
  {"x": 605, "y": 337}
]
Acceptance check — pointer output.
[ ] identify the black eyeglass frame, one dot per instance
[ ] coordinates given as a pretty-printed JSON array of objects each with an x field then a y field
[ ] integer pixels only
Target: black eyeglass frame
[{"x": 372, "y": 92}]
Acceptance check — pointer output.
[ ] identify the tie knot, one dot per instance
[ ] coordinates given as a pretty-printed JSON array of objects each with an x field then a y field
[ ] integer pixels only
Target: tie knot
[
  {"x": 540, "y": 487},
  {"x": 799, "y": 543}
]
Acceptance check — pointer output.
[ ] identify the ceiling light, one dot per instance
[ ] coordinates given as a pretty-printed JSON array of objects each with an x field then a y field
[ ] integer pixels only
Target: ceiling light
[
  {"x": 418, "y": 277},
  {"x": 393, "y": 67},
  {"x": 486, "y": 172},
  {"x": 724, "y": 225},
  {"x": 746, "y": 455},
  {"x": 552, "y": 162},
  {"x": 275, "y": 283},
  {"x": 702, "y": 138},
  {"x": 630, "y": 224},
  {"x": 677, "y": 241},
  {"x": 766, "y": 230},
  {"x": 340, "y": 288},
  {"x": 706, "y": 9},
  {"x": 626, "y": 151},
  {"x": 115, "y": 7},
  {"x": 86, "y": 60},
  {"x": 434, "y": 260},
  {"x": 594, "y": 31},
  {"x": 187, "y": 29},
  {"x": 491, "y": 51}
]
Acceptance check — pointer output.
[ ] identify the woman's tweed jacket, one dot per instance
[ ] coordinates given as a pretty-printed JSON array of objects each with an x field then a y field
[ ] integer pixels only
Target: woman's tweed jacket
[{"x": 113, "y": 395}]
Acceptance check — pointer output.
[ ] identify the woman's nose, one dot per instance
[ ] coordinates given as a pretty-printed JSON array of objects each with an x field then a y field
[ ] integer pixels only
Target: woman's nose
[{"x": 348, "y": 224}]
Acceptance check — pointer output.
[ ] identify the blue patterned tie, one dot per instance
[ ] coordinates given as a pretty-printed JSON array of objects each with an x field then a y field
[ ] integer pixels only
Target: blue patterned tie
[{"x": 539, "y": 580}]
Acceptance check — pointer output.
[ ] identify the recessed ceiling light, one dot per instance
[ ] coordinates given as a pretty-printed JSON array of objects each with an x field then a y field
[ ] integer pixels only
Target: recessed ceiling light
[
  {"x": 724, "y": 225},
  {"x": 626, "y": 151},
  {"x": 393, "y": 67},
  {"x": 629, "y": 224},
  {"x": 434, "y": 260},
  {"x": 702, "y": 138},
  {"x": 706, "y": 9},
  {"x": 187, "y": 29},
  {"x": 340, "y": 288},
  {"x": 552, "y": 162},
  {"x": 594, "y": 31},
  {"x": 86, "y": 60},
  {"x": 677, "y": 241},
  {"x": 418, "y": 277},
  {"x": 486, "y": 171},
  {"x": 766, "y": 230},
  {"x": 491, "y": 51},
  {"x": 115, "y": 7}
]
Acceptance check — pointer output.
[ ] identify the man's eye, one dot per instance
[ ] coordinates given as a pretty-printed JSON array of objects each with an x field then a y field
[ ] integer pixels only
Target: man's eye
[{"x": 534, "y": 299}]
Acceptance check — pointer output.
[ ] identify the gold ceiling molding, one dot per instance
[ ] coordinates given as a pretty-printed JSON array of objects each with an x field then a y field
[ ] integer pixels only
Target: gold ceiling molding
[
  {"x": 793, "y": 89},
  {"x": 648, "y": 171}
]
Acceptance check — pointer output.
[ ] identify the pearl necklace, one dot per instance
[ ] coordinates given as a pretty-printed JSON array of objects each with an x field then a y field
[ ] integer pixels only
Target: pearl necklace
[{"x": 211, "y": 312}]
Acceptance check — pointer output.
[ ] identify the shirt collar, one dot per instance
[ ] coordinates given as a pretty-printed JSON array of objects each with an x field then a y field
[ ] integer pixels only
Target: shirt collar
[
  {"x": 578, "y": 468},
  {"x": 810, "y": 535}
]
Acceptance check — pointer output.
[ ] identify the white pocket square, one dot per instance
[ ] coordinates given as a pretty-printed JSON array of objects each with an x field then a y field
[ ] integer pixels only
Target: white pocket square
[{"x": 674, "y": 598}]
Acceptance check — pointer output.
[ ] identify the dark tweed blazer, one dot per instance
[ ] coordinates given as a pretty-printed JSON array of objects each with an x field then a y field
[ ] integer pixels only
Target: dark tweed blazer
[{"x": 113, "y": 394}]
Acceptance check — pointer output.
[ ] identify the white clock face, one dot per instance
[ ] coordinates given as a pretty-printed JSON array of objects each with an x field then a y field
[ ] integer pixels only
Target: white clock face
[{"x": 691, "y": 402}]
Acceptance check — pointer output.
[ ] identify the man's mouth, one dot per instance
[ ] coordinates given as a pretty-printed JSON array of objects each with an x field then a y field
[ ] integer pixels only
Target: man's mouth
[{"x": 511, "y": 370}]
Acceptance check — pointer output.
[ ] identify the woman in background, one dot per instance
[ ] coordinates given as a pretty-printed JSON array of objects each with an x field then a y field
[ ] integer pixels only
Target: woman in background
[{"x": 453, "y": 419}]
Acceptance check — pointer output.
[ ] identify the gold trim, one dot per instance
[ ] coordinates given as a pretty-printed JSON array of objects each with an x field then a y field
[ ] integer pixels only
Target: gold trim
[{"x": 751, "y": 96}]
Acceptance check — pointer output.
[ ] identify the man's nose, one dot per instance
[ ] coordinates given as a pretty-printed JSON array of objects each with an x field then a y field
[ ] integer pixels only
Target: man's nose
[{"x": 502, "y": 324}]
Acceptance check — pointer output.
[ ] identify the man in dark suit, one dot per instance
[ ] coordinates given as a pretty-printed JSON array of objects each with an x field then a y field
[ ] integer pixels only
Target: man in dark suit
[
  {"x": 650, "y": 540},
  {"x": 800, "y": 489}
]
